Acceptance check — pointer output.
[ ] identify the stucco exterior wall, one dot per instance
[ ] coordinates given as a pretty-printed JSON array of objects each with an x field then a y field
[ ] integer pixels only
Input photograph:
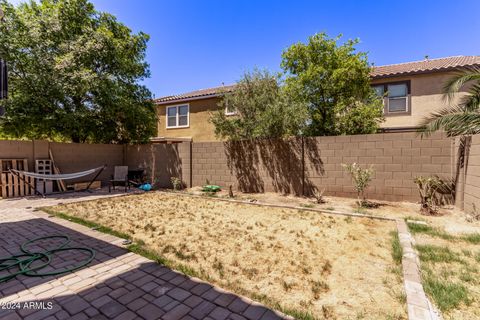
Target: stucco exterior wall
[
  {"x": 200, "y": 129},
  {"x": 426, "y": 96}
]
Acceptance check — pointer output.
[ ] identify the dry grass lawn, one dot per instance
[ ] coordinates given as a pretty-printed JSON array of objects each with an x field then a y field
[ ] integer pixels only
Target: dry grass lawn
[
  {"x": 330, "y": 266},
  {"x": 451, "y": 219},
  {"x": 450, "y": 270}
]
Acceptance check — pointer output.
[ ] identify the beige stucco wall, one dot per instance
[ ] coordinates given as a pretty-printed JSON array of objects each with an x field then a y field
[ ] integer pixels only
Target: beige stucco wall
[
  {"x": 426, "y": 96},
  {"x": 200, "y": 129}
]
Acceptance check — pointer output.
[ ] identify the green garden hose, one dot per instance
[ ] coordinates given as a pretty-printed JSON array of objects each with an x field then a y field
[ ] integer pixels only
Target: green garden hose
[{"x": 23, "y": 262}]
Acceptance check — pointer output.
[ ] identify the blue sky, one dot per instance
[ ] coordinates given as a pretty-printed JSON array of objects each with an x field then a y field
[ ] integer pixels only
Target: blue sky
[{"x": 200, "y": 44}]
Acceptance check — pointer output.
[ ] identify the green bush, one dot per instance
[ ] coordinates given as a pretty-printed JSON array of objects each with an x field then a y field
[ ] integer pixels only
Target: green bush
[{"x": 361, "y": 179}]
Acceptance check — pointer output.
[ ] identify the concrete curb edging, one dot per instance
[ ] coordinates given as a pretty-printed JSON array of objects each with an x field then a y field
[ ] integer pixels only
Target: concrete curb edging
[{"x": 419, "y": 306}]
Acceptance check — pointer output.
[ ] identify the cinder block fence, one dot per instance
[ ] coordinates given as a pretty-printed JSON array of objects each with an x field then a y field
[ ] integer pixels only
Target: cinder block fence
[{"x": 295, "y": 166}]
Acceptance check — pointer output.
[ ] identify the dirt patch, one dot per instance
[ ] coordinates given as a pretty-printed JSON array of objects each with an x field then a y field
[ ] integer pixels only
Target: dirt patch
[
  {"x": 450, "y": 218},
  {"x": 330, "y": 266}
]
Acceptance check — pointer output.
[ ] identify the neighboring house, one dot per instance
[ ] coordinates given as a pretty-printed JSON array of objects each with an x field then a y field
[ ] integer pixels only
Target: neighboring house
[{"x": 412, "y": 90}]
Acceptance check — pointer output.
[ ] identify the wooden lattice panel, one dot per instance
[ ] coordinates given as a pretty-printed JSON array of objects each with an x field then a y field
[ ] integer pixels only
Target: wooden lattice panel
[{"x": 11, "y": 185}]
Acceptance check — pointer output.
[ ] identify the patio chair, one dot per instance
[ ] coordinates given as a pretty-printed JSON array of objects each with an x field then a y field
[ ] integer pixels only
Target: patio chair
[{"x": 120, "y": 177}]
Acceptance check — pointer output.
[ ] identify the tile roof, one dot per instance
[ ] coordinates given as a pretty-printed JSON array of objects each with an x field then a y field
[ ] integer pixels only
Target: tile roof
[
  {"x": 202, "y": 93},
  {"x": 423, "y": 66}
]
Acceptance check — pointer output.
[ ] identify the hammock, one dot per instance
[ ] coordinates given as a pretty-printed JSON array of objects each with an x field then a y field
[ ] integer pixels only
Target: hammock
[
  {"x": 22, "y": 174},
  {"x": 65, "y": 176}
]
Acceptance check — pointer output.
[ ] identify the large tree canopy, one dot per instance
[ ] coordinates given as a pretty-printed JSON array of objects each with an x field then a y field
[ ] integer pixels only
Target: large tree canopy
[
  {"x": 334, "y": 81},
  {"x": 74, "y": 74},
  {"x": 261, "y": 108}
]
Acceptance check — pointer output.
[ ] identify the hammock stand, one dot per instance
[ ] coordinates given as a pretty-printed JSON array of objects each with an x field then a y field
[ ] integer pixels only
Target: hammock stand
[{"x": 66, "y": 176}]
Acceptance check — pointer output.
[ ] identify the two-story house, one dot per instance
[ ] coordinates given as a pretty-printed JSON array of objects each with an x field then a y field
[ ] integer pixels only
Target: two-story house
[{"x": 412, "y": 91}]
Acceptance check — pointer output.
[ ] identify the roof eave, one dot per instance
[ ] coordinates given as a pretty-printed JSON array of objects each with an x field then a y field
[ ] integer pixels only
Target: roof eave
[
  {"x": 210, "y": 96},
  {"x": 410, "y": 73}
]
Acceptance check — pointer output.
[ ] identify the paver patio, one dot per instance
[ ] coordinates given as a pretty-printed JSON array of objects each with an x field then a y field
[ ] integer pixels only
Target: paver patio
[{"x": 117, "y": 284}]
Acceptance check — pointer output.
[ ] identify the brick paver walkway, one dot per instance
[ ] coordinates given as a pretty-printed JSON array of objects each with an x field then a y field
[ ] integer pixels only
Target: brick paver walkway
[{"x": 116, "y": 285}]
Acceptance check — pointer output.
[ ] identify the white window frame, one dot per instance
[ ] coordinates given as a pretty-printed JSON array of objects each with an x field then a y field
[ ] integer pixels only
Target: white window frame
[
  {"x": 177, "y": 116},
  {"x": 407, "y": 107},
  {"x": 386, "y": 99},
  {"x": 230, "y": 113}
]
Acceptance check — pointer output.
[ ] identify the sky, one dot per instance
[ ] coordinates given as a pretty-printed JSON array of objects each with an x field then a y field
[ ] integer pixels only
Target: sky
[{"x": 204, "y": 43}]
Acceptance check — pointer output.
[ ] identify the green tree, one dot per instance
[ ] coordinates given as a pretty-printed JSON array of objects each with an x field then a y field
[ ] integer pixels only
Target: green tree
[
  {"x": 461, "y": 116},
  {"x": 334, "y": 81},
  {"x": 262, "y": 109},
  {"x": 74, "y": 74}
]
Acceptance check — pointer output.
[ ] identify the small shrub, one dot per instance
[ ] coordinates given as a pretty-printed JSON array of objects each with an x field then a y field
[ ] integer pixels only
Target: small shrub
[
  {"x": 176, "y": 183},
  {"x": 361, "y": 179},
  {"x": 434, "y": 191},
  {"x": 319, "y": 196}
]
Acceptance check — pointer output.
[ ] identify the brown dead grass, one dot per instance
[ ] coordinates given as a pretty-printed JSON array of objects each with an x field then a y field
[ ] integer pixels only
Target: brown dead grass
[
  {"x": 452, "y": 219},
  {"x": 304, "y": 260}
]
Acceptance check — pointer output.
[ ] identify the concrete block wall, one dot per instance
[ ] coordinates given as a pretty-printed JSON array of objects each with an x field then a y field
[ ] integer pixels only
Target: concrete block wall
[
  {"x": 397, "y": 159},
  {"x": 279, "y": 166},
  {"x": 31, "y": 150},
  {"x": 74, "y": 157},
  {"x": 250, "y": 166},
  {"x": 160, "y": 162},
  {"x": 69, "y": 157},
  {"x": 209, "y": 163},
  {"x": 285, "y": 166},
  {"x": 185, "y": 163},
  {"x": 471, "y": 196}
]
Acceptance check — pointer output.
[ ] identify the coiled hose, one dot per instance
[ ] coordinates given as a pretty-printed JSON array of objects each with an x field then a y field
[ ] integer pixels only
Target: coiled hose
[{"x": 23, "y": 263}]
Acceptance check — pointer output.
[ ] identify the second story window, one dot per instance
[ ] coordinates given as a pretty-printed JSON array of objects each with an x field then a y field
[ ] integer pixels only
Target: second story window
[
  {"x": 178, "y": 116},
  {"x": 395, "y": 97},
  {"x": 230, "y": 111}
]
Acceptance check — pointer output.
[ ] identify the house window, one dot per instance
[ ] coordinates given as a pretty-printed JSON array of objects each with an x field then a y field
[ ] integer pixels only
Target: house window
[
  {"x": 178, "y": 116},
  {"x": 230, "y": 111},
  {"x": 395, "y": 97},
  {"x": 379, "y": 90}
]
